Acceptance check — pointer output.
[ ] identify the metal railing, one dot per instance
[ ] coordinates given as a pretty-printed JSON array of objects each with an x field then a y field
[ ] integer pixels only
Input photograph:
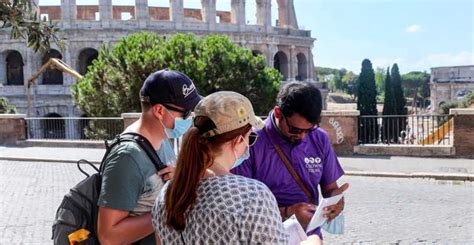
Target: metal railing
[
  {"x": 406, "y": 130},
  {"x": 73, "y": 128}
]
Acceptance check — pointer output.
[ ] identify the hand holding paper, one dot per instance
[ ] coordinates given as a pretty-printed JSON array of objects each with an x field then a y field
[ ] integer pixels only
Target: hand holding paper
[{"x": 318, "y": 218}]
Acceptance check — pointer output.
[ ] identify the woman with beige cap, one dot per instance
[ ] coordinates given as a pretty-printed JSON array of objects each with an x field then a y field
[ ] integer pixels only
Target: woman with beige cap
[{"x": 205, "y": 203}]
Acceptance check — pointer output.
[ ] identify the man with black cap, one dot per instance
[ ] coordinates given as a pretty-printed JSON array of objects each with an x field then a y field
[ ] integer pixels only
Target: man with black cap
[{"x": 130, "y": 182}]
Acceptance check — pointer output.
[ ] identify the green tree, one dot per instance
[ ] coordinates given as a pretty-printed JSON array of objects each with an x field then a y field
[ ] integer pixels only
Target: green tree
[
  {"x": 399, "y": 123},
  {"x": 6, "y": 107},
  {"x": 366, "y": 99},
  {"x": 367, "y": 104},
  {"x": 416, "y": 85},
  {"x": 20, "y": 17},
  {"x": 333, "y": 77},
  {"x": 389, "y": 134},
  {"x": 214, "y": 63},
  {"x": 348, "y": 83},
  {"x": 380, "y": 82},
  {"x": 389, "y": 104},
  {"x": 400, "y": 100}
]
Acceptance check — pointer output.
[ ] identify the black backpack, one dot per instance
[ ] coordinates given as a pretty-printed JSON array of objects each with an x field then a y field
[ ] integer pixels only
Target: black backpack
[{"x": 77, "y": 214}]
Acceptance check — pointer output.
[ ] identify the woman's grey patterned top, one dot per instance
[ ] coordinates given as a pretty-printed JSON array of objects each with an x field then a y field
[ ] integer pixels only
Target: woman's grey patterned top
[{"x": 229, "y": 209}]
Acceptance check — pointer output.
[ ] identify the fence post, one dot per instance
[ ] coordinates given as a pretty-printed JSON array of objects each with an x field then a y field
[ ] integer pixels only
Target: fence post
[
  {"x": 129, "y": 118},
  {"x": 12, "y": 128},
  {"x": 342, "y": 128},
  {"x": 463, "y": 133}
]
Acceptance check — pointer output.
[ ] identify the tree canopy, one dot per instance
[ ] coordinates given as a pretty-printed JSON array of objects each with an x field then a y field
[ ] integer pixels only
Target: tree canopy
[
  {"x": 6, "y": 107},
  {"x": 19, "y": 17},
  {"x": 367, "y": 92},
  {"x": 214, "y": 63}
]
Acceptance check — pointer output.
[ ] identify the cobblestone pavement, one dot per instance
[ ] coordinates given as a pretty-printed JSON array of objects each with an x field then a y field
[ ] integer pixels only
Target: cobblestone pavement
[{"x": 378, "y": 210}]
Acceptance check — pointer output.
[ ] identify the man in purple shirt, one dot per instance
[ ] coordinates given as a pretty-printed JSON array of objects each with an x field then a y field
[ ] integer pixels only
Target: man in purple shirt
[{"x": 293, "y": 126}]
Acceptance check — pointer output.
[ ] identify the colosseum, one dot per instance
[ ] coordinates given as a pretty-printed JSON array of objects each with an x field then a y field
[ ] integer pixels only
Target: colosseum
[{"x": 88, "y": 27}]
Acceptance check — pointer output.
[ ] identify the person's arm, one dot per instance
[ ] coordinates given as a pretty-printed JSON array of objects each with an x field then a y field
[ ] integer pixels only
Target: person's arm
[
  {"x": 332, "y": 171},
  {"x": 303, "y": 212},
  {"x": 122, "y": 184},
  {"x": 330, "y": 190},
  {"x": 117, "y": 227}
]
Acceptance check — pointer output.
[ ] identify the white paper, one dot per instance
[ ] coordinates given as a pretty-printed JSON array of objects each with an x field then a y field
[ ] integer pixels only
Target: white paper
[
  {"x": 295, "y": 231},
  {"x": 318, "y": 218}
]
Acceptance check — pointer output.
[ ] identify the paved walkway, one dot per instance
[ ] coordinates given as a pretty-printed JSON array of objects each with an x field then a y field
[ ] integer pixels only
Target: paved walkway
[
  {"x": 378, "y": 210},
  {"x": 449, "y": 168}
]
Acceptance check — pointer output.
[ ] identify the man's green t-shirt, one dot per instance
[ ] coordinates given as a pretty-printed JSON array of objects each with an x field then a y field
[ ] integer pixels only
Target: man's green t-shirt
[{"x": 130, "y": 182}]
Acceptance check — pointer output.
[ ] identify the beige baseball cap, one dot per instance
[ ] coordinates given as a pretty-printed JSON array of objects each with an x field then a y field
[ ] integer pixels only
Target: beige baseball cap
[{"x": 228, "y": 110}]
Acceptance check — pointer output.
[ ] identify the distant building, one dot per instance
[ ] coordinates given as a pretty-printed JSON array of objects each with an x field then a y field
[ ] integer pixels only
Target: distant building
[{"x": 450, "y": 84}]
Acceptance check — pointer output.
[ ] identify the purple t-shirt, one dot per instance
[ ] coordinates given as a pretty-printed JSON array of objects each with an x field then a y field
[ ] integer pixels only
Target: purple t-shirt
[{"x": 313, "y": 159}]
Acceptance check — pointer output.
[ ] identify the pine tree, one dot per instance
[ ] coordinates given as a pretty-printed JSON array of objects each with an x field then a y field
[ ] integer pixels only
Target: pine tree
[
  {"x": 400, "y": 103},
  {"x": 389, "y": 103},
  {"x": 367, "y": 94},
  {"x": 400, "y": 100},
  {"x": 367, "y": 104},
  {"x": 389, "y": 109}
]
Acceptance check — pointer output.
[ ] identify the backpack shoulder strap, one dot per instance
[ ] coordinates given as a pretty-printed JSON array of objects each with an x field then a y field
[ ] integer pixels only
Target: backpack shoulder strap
[
  {"x": 290, "y": 168},
  {"x": 145, "y": 144}
]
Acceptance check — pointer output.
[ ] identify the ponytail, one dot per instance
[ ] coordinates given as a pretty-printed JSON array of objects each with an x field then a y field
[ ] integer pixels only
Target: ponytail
[
  {"x": 196, "y": 155},
  {"x": 190, "y": 167}
]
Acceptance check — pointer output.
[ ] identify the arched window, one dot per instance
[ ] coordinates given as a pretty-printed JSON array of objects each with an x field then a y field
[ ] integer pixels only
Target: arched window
[
  {"x": 280, "y": 62},
  {"x": 53, "y": 127},
  {"x": 302, "y": 67},
  {"x": 86, "y": 56},
  {"x": 14, "y": 63},
  {"x": 52, "y": 76}
]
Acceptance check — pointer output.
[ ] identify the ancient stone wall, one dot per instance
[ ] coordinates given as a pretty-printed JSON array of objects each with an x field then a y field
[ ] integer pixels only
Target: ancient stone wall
[{"x": 87, "y": 28}]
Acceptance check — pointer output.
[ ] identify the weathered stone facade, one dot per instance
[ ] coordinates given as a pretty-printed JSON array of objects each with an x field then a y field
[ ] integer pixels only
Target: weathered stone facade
[
  {"x": 450, "y": 84},
  {"x": 87, "y": 28}
]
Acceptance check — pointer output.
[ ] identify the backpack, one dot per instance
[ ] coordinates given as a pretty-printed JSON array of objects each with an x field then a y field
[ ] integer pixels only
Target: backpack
[{"x": 76, "y": 216}]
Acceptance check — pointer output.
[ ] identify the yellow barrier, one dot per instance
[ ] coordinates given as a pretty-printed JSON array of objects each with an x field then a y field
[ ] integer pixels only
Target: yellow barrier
[{"x": 439, "y": 134}]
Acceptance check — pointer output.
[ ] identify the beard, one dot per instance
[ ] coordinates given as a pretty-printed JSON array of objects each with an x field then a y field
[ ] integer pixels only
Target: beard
[{"x": 294, "y": 140}]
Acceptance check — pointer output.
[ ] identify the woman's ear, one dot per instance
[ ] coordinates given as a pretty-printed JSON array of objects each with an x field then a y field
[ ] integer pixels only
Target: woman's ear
[{"x": 237, "y": 140}]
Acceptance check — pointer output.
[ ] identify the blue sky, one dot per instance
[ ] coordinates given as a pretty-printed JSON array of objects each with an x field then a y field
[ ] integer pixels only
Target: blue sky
[{"x": 416, "y": 34}]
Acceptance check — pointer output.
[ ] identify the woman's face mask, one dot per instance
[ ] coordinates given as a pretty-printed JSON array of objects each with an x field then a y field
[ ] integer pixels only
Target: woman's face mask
[{"x": 244, "y": 156}]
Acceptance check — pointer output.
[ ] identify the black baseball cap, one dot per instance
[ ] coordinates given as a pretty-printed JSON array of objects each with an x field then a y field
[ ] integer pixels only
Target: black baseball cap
[{"x": 170, "y": 87}]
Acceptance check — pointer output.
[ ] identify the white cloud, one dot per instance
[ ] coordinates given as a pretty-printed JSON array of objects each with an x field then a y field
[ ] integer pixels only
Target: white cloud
[
  {"x": 443, "y": 59},
  {"x": 405, "y": 65},
  {"x": 413, "y": 28}
]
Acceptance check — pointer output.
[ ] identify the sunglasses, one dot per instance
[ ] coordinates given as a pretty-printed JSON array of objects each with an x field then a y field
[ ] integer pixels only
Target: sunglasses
[
  {"x": 186, "y": 114},
  {"x": 295, "y": 130},
  {"x": 252, "y": 138}
]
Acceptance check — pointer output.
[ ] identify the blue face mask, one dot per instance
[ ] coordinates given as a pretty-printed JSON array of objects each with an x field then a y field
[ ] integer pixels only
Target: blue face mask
[
  {"x": 244, "y": 156},
  {"x": 180, "y": 127},
  {"x": 336, "y": 226}
]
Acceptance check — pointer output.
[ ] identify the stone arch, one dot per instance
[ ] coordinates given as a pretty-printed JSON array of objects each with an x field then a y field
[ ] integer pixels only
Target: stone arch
[
  {"x": 53, "y": 126},
  {"x": 256, "y": 52},
  {"x": 280, "y": 62},
  {"x": 86, "y": 56},
  {"x": 14, "y": 68},
  {"x": 52, "y": 76},
  {"x": 441, "y": 104},
  {"x": 302, "y": 67}
]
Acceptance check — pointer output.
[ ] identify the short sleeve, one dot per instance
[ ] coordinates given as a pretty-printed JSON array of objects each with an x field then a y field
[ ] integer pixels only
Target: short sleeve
[
  {"x": 122, "y": 182},
  {"x": 332, "y": 169}
]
